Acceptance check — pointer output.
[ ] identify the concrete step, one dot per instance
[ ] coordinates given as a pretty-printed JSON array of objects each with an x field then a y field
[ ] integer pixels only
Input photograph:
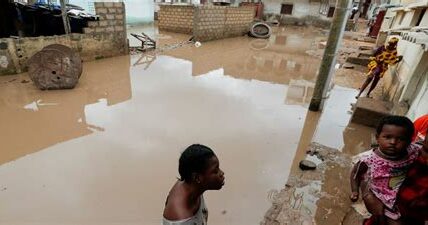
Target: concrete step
[{"x": 368, "y": 111}]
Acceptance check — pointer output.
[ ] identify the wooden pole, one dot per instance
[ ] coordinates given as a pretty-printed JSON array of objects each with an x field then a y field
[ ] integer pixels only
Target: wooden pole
[
  {"x": 65, "y": 20},
  {"x": 329, "y": 58}
]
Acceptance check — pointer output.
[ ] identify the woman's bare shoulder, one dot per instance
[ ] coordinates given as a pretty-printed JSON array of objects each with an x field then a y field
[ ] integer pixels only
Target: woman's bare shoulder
[{"x": 176, "y": 207}]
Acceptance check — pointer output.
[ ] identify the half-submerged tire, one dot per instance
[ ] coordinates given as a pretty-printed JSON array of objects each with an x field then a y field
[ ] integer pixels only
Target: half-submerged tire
[
  {"x": 55, "y": 67},
  {"x": 260, "y": 30}
]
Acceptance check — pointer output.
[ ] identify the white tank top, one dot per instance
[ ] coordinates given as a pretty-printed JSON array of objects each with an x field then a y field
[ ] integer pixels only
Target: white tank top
[{"x": 200, "y": 218}]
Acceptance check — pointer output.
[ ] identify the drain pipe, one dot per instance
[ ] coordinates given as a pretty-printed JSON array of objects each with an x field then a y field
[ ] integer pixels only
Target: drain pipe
[{"x": 329, "y": 58}]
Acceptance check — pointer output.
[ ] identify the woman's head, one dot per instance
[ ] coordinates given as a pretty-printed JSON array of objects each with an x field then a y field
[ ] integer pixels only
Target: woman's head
[
  {"x": 392, "y": 43},
  {"x": 394, "y": 134},
  {"x": 198, "y": 164}
]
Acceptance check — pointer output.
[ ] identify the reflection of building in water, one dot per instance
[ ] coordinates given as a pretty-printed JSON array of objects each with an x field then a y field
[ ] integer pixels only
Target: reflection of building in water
[
  {"x": 299, "y": 92},
  {"x": 278, "y": 59},
  {"x": 37, "y": 119}
]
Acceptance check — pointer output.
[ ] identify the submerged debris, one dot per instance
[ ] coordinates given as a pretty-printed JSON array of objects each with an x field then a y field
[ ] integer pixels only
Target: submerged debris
[
  {"x": 146, "y": 42},
  {"x": 260, "y": 30}
]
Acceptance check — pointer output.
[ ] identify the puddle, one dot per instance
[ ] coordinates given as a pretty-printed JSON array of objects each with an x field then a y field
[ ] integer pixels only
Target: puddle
[{"x": 106, "y": 152}]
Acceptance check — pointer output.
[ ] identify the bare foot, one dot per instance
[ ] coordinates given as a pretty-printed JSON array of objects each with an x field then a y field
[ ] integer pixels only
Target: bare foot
[{"x": 354, "y": 196}]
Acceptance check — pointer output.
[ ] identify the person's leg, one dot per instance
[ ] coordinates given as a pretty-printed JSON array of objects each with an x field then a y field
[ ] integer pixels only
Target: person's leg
[
  {"x": 365, "y": 84},
  {"x": 376, "y": 79},
  {"x": 375, "y": 207}
]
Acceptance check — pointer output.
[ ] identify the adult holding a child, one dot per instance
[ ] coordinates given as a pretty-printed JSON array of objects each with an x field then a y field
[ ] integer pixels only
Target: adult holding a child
[{"x": 380, "y": 174}]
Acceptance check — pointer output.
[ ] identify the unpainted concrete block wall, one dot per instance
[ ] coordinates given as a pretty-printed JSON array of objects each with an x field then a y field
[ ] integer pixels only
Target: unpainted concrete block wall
[
  {"x": 206, "y": 22},
  {"x": 209, "y": 22},
  {"x": 112, "y": 18},
  {"x": 103, "y": 38},
  {"x": 176, "y": 18},
  {"x": 216, "y": 22}
]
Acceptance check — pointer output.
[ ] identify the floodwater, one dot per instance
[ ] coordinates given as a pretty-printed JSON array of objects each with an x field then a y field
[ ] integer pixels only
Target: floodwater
[{"x": 106, "y": 151}]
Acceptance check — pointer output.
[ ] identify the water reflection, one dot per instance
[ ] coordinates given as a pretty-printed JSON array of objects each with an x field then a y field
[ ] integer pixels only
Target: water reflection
[
  {"x": 33, "y": 120},
  {"x": 278, "y": 59},
  {"x": 122, "y": 171}
]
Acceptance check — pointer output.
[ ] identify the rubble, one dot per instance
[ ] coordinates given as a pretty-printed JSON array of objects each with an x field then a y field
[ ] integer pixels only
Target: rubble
[{"x": 308, "y": 196}]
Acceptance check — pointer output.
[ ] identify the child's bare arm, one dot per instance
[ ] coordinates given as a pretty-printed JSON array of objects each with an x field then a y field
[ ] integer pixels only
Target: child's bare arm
[{"x": 357, "y": 172}]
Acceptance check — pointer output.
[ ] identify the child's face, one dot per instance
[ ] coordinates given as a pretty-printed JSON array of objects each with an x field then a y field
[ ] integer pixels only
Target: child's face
[
  {"x": 213, "y": 177},
  {"x": 392, "y": 140}
]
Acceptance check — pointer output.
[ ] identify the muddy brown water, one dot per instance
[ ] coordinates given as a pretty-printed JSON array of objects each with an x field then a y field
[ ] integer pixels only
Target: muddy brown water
[{"x": 106, "y": 152}]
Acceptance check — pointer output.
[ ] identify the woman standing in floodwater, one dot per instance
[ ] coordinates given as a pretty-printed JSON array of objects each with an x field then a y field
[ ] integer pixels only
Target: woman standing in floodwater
[{"x": 199, "y": 170}]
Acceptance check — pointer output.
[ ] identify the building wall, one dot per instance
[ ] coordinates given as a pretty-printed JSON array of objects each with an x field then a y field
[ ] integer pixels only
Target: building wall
[
  {"x": 103, "y": 38},
  {"x": 301, "y": 8},
  {"x": 398, "y": 76},
  {"x": 407, "y": 83},
  {"x": 206, "y": 22},
  {"x": 209, "y": 22},
  {"x": 408, "y": 17},
  {"x": 424, "y": 21},
  {"x": 305, "y": 12},
  {"x": 419, "y": 105},
  {"x": 216, "y": 22},
  {"x": 112, "y": 18},
  {"x": 176, "y": 18}
]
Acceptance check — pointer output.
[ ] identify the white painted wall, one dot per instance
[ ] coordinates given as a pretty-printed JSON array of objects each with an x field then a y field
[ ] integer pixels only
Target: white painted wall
[
  {"x": 412, "y": 54},
  {"x": 388, "y": 20},
  {"x": 300, "y": 7},
  {"x": 398, "y": 16},
  {"x": 420, "y": 104},
  {"x": 408, "y": 17},
  {"x": 424, "y": 22}
]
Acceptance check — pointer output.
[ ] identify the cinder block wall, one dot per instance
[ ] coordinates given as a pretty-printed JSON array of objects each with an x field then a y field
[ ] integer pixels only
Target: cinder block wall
[
  {"x": 210, "y": 22},
  {"x": 238, "y": 20},
  {"x": 112, "y": 18},
  {"x": 176, "y": 18},
  {"x": 216, "y": 22},
  {"x": 206, "y": 22},
  {"x": 101, "y": 39}
]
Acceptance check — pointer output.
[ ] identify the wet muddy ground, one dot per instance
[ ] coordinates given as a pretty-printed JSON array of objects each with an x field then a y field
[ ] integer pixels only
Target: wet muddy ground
[{"x": 106, "y": 152}]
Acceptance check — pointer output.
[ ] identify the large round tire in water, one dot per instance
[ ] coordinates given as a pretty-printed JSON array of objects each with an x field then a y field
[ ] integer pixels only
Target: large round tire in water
[
  {"x": 55, "y": 67},
  {"x": 260, "y": 30}
]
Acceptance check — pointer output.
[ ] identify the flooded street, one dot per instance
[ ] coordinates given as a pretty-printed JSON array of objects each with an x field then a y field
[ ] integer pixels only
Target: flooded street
[{"x": 106, "y": 152}]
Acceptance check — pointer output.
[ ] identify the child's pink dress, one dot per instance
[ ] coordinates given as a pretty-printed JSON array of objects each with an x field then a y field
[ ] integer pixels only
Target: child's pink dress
[{"x": 384, "y": 177}]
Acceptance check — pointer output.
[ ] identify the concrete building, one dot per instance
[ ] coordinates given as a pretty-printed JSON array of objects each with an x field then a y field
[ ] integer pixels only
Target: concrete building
[
  {"x": 299, "y": 11},
  {"x": 407, "y": 83},
  {"x": 286, "y": 11}
]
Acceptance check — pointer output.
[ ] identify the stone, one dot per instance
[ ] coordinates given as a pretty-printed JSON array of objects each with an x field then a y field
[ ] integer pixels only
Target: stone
[
  {"x": 307, "y": 165},
  {"x": 348, "y": 66},
  {"x": 55, "y": 67}
]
